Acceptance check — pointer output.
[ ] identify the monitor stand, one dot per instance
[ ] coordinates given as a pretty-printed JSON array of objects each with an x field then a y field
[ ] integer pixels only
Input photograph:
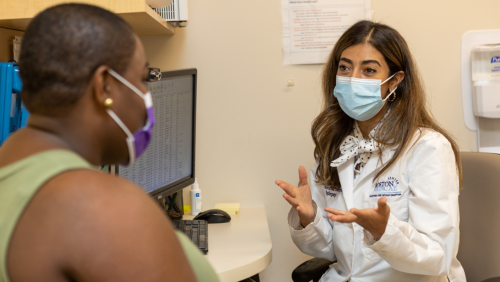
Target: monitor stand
[
  {"x": 174, "y": 211},
  {"x": 172, "y": 205}
]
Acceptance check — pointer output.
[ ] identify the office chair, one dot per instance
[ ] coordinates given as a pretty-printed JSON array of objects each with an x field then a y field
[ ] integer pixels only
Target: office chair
[
  {"x": 479, "y": 250},
  {"x": 254, "y": 278},
  {"x": 312, "y": 269}
]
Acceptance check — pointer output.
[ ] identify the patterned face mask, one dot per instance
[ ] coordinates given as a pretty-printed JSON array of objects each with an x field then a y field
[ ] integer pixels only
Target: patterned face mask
[{"x": 139, "y": 141}]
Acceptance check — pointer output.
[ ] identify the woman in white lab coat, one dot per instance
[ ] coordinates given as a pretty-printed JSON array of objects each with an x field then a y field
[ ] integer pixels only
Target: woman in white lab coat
[{"x": 383, "y": 197}]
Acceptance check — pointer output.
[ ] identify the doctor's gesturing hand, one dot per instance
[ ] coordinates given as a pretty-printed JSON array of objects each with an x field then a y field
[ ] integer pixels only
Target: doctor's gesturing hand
[
  {"x": 372, "y": 220},
  {"x": 299, "y": 197}
]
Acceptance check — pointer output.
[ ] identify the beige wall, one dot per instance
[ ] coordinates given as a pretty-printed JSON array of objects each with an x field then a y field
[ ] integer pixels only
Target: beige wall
[{"x": 253, "y": 130}]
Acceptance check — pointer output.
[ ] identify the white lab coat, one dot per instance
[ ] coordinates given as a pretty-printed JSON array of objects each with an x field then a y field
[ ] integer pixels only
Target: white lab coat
[{"x": 422, "y": 236}]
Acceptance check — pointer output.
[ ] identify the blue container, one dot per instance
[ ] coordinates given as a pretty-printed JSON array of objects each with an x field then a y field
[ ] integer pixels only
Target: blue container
[{"x": 13, "y": 114}]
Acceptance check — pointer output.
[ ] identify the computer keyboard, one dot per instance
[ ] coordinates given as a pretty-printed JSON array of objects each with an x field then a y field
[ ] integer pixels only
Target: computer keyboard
[{"x": 196, "y": 230}]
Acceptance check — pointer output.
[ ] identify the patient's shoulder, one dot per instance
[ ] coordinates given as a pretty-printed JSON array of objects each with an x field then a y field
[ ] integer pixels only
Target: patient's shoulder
[{"x": 95, "y": 193}]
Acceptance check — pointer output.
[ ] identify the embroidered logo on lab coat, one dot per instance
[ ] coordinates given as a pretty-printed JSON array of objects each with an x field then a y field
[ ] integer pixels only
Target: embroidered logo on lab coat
[
  {"x": 332, "y": 192},
  {"x": 387, "y": 188}
]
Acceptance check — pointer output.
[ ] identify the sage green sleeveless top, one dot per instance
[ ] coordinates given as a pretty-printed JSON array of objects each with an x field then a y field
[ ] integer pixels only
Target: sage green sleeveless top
[{"x": 21, "y": 180}]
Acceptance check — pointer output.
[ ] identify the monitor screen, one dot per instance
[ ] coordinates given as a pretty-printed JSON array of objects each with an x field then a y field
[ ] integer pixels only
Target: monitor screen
[{"x": 167, "y": 165}]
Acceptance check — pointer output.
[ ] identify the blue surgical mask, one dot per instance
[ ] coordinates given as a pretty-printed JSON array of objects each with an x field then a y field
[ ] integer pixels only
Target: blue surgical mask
[{"x": 360, "y": 99}]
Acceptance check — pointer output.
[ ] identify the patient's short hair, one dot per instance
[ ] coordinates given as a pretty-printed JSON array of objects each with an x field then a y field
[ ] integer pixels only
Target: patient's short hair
[{"x": 62, "y": 48}]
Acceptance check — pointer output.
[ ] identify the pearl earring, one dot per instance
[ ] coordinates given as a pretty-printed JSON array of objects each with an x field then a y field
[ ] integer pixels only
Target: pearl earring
[{"x": 108, "y": 102}]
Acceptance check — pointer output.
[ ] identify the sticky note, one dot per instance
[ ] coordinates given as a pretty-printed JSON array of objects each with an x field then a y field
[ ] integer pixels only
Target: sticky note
[{"x": 230, "y": 208}]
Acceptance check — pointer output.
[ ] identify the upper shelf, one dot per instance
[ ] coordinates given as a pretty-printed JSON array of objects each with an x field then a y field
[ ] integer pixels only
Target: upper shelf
[{"x": 17, "y": 14}]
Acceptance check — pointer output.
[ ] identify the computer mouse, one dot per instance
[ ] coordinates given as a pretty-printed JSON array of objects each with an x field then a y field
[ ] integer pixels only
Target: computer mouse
[{"x": 213, "y": 216}]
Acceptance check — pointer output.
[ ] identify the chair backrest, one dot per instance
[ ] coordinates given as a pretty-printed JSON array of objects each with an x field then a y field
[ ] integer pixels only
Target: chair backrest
[{"x": 479, "y": 250}]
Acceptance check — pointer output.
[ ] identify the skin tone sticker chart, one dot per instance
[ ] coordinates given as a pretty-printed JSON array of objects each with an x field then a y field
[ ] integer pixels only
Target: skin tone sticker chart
[{"x": 312, "y": 27}]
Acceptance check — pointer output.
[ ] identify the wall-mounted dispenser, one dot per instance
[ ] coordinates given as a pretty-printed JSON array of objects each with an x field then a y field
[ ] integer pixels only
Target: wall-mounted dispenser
[
  {"x": 485, "y": 61},
  {"x": 481, "y": 87}
]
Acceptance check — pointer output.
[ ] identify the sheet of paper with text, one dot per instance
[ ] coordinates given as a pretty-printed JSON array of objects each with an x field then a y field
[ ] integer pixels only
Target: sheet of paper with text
[{"x": 312, "y": 27}]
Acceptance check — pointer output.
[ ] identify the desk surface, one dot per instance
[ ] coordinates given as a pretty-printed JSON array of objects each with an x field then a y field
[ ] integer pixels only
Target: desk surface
[{"x": 241, "y": 248}]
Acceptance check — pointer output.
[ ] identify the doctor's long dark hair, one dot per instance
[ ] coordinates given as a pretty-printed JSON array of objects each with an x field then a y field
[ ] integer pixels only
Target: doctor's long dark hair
[{"x": 408, "y": 116}]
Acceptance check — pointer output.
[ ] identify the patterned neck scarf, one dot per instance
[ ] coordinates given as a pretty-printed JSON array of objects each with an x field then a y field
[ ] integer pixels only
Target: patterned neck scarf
[{"x": 355, "y": 146}]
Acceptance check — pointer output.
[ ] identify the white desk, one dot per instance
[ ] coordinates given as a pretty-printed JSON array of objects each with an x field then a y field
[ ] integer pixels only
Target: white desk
[{"x": 241, "y": 248}]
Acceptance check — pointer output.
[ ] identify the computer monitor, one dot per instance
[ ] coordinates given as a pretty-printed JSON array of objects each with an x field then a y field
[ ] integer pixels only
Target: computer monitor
[{"x": 168, "y": 164}]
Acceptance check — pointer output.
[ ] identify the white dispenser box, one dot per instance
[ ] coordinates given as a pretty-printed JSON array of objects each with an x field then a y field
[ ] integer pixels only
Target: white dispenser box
[{"x": 485, "y": 62}]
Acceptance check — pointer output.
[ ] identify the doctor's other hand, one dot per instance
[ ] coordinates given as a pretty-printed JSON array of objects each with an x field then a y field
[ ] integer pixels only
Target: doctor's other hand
[
  {"x": 373, "y": 220},
  {"x": 299, "y": 197}
]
